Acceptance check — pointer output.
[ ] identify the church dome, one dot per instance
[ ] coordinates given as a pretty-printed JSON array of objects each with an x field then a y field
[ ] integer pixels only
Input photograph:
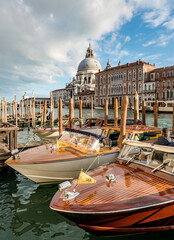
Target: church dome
[{"x": 89, "y": 63}]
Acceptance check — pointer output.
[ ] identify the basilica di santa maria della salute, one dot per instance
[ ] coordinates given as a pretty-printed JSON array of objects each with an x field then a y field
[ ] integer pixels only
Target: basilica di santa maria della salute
[{"x": 84, "y": 83}]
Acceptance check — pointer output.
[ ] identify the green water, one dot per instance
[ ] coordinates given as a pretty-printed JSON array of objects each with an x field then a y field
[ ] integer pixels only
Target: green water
[{"x": 24, "y": 205}]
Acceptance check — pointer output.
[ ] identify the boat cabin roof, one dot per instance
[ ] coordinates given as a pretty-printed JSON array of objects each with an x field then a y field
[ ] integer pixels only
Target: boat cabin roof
[
  {"x": 135, "y": 128},
  {"x": 84, "y": 133},
  {"x": 167, "y": 149}
]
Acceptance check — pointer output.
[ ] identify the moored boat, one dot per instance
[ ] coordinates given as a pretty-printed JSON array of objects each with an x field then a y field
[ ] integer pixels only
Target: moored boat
[
  {"x": 91, "y": 125},
  {"x": 75, "y": 150},
  {"x": 133, "y": 195}
]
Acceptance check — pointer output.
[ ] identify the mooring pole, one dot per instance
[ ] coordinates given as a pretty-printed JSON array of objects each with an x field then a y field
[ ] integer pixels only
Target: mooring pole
[
  {"x": 124, "y": 105},
  {"x": 92, "y": 106},
  {"x": 115, "y": 112},
  {"x": 106, "y": 112},
  {"x": 80, "y": 112},
  {"x": 173, "y": 120},
  {"x": 156, "y": 114},
  {"x": 70, "y": 112},
  {"x": 60, "y": 116},
  {"x": 144, "y": 112}
]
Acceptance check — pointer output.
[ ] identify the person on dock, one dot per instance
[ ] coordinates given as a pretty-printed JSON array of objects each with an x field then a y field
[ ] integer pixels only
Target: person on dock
[{"x": 165, "y": 139}]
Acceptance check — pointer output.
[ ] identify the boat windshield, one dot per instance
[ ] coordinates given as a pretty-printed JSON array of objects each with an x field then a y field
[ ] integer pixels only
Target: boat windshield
[
  {"x": 159, "y": 160},
  {"x": 87, "y": 142}
]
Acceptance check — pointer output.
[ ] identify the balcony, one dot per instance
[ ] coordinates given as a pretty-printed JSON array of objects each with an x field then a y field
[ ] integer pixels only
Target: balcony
[{"x": 149, "y": 91}]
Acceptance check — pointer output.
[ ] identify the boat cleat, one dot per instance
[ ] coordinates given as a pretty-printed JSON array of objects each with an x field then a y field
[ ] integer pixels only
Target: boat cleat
[
  {"x": 67, "y": 195},
  {"x": 110, "y": 178}
]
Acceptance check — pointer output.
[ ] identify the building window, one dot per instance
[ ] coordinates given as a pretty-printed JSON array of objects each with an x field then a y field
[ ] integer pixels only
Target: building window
[
  {"x": 140, "y": 74},
  {"x": 164, "y": 74},
  {"x": 124, "y": 76},
  {"x": 157, "y": 75},
  {"x": 134, "y": 74},
  {"x": 129, "y": 75}
]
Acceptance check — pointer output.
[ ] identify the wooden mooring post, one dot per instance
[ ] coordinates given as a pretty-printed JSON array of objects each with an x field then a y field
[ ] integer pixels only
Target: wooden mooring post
[
  {"x": 156, "y": 114},
  {"x": 45, "y": 113},
  {"x": 71, "y": 112},
  {"x": 124, "y": 105},
  {"x": 106, "y": 111},
  {"x": 60, "y": 116},
  {"x": 51, "y": 111},
  {"x": 144, "y": 112},
  {"x": 33, "y": 115},
  {"x": 8, "y": 140},
  {"x": 115, "y": 112},
  {"x": 80, "y": 112},
  {"x": 92, "y": 106},
  {"x": 173, "y": 121}
]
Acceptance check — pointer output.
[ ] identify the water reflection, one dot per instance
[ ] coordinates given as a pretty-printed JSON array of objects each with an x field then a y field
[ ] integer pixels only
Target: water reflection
[{"x": 25, "y": 213}]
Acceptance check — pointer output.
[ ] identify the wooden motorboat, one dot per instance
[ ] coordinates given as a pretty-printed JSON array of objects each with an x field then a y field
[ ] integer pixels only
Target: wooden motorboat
[
  {"x": 75, "y": 150},
  {"x": 91, "y": 125},
  {"x": 55, "y": 163},
  {"x": 133, "y": 195}
]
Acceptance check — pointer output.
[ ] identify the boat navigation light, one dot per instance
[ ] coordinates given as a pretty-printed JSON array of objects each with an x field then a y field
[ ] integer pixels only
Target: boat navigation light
[
  {"x": 111, "y": 178},
  {"x": 67, "y": 195},
  {"x": 64, "y": 185}
]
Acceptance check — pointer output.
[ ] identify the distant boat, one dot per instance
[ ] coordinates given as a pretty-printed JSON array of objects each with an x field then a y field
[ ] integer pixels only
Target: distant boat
[
  {"x": 163, "y": 106},
  {"x": 99, "y": 108},
  {"x": 75, "y": 150},
  {"x": 91, "y": 125},
  {"x": 133, "y": 195}
]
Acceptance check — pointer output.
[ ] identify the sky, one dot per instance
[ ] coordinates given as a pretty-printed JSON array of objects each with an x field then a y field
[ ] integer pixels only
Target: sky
[{"x": 42, "y": 42}]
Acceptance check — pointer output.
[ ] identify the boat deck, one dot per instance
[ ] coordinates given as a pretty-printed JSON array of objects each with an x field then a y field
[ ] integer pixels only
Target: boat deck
[
  {"x": 133, "y": 189},
  {"x": 49, "y": 153}
]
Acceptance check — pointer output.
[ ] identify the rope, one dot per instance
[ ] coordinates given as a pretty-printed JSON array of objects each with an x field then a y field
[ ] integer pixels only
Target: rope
[{"x": 98, "y": 157}]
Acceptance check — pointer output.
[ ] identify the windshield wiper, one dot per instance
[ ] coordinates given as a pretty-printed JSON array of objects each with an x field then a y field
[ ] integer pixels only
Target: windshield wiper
[{"x": 161, "y": 166}]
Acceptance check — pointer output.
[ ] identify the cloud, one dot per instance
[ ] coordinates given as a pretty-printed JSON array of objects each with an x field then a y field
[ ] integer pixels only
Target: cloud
[
  {"x": 148, "y": 43},
  {"x": 127, "y": 39},
  {"x": 169, "y": 24},
  {"x": 42, "y": 42},
  {"x": 164, "y": 39}
]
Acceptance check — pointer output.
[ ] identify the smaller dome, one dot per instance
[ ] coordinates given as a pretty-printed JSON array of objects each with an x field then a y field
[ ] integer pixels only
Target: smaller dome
[{"x": 89, "y": 64}]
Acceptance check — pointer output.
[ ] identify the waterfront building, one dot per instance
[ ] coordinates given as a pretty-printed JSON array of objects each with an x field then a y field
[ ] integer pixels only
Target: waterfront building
[
  {"x": 38, "y": 101},
  {"x": 126, "y": 79},
  {"x": 149, "y": 90},
  {"x": 164, "y": 80},
  {"x": 59, "y": 93}
]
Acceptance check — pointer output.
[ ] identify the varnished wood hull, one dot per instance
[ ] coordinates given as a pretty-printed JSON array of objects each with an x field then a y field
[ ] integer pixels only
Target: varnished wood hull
[
  {"x": 61, "y": 170},
  {"x": 136, "y": 202},
  {"x": 150, "y": 219}
]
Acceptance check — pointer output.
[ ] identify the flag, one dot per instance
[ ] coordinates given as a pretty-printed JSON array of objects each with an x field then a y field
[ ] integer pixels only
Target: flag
[{"x": 84, "y": 179}]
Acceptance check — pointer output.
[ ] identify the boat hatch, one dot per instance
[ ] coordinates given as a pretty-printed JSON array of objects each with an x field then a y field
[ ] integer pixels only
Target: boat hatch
[{"x": 158, "y": 158}]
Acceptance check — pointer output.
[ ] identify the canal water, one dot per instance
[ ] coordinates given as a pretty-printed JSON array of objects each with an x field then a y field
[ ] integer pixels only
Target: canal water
[{"x": 24, "y": 205}]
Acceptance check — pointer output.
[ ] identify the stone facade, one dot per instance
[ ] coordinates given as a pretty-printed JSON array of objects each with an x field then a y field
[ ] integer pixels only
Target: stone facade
[
  {"x": 164, "y": 80},
  {"x": 115, "y": 82}
]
